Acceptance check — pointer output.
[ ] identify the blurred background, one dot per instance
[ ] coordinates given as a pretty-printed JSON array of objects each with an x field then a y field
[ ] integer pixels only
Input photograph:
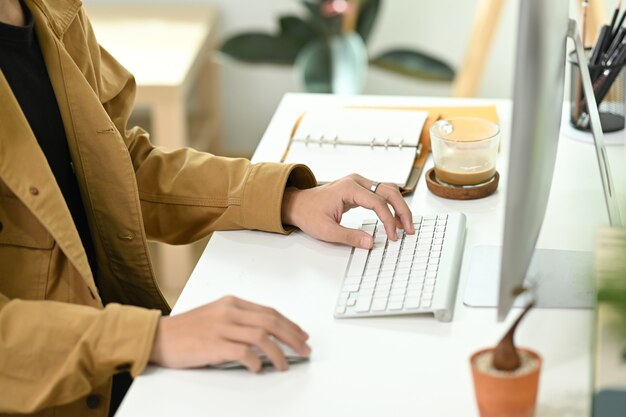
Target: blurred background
[{"x": 191, "y": 94}]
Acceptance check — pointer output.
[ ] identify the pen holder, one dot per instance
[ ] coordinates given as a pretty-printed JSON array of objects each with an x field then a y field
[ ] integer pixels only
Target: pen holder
[{"x": 610, "y": 102}]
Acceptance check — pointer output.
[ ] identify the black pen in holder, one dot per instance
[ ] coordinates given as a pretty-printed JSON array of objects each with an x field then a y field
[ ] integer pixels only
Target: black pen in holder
[{"x": 608, "y": 83}]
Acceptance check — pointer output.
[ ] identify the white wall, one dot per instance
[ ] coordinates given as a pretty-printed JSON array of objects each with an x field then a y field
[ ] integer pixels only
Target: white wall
[{"x": 250, "y": 93}]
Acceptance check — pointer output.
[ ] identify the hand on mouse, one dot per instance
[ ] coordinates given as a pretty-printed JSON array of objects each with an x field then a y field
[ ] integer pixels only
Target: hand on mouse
[{"x": 226, "y": 330}]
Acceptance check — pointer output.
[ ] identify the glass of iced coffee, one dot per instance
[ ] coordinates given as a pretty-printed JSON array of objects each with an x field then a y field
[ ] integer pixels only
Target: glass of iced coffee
[{"x": 464, "y": 151}]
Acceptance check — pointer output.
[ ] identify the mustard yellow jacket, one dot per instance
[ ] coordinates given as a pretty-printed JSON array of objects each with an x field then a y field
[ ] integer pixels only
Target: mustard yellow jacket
[{"x": 59, "y": 345}]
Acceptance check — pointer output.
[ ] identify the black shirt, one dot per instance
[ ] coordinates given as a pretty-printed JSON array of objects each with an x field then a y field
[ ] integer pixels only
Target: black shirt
[{"x": 23, "y": 66}]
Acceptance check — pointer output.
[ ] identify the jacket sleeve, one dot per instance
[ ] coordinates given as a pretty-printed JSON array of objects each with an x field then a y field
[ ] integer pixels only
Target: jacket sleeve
[
  {"x": 186, "y": 194},
  {"x": 53, "y": 353}
]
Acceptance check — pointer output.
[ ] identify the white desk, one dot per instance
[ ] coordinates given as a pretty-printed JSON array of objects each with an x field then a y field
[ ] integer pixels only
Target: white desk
[{"x": 384, "y": 366}]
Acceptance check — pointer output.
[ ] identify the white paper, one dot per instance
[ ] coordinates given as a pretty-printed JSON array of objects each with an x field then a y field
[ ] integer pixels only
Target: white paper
[{"x": 330, "y": 162}]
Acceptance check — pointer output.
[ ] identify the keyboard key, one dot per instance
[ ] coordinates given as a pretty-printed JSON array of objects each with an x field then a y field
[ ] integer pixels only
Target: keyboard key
[
  {"x": 412, "y": 302},
  {"x": 369, "y": 278},
  {"x": 403, "y": 271},
  {"x": 379, "y": 304},
  {"x": 368, "y": 285},
  {"x": 419, "y": 267},
  {"x": 399, "y": 282},
  {"x": 397, "y": 292},
  {"x": 366, "y": 292},
  {"x": 340, "y": 309},
  {"x": 395, "y": 303},
  {"x": 414, "y": 286},
  {"x": 351, "y": 299},
  {"x": 351, "y": 287},
  {"x": 423, "y": 248},
  {"x": 385, "y": 280},
  {"x": 388, "y": 266},
  {"x": 413, "y": 293},
  {"x": 381, "y": 292},
  {"x": 382, "y": 289},
  {"x": 363, "y": 304},
  {"x": 357, "y": 264},
  {"x": 369, "y": 228}
]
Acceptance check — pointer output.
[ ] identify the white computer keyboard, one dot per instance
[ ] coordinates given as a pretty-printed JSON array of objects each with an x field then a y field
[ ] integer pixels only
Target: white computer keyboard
[{"x": 415, "y": 274}]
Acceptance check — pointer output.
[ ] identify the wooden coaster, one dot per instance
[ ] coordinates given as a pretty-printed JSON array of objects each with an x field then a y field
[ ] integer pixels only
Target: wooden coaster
[{"x": 461, "y": 192}]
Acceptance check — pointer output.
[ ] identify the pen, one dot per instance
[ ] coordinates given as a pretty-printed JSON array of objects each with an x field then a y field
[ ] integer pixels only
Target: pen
[
  {"x": 604, "y": 81},
  {"x": 609, "y": 75},
  {"x": 617, "y": 41},
  {"x": 618, "y": 6},
  {"x": 598, "y": 50},
  {"x": 621, "y": 20},
  {"x": 585, "y": 7}
]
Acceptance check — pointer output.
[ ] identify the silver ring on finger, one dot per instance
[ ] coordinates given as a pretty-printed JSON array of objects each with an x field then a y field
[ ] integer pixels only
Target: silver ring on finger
[{"x": 374, "y": 186}]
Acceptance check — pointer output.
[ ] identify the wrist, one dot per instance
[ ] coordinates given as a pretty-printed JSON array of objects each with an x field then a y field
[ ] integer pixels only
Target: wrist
[
  {"x": 157, "y": 352},
  {"x": 287, "y": 209}
]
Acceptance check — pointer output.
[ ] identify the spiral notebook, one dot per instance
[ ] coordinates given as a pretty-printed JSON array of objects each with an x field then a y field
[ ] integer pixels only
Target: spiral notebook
[{"x": 380, "y": 144}]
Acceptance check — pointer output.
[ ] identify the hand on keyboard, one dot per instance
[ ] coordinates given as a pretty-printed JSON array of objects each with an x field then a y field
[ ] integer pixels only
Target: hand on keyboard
[{"x": 318, "y": 211}]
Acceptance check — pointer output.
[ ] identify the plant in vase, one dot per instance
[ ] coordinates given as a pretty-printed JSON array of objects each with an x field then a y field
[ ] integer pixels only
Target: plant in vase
[
  {"x": 506, "y": 378},
  {"x": 328, "y": 48}
]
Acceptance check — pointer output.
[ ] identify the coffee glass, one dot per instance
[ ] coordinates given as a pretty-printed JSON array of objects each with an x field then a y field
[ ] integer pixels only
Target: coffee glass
[{"x": 464, "y": 151}]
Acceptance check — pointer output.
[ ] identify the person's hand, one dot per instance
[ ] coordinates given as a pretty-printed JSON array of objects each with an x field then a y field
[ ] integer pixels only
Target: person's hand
[
  {"x": 226, "y": 330},
  {"x": 317, "y": 211}
]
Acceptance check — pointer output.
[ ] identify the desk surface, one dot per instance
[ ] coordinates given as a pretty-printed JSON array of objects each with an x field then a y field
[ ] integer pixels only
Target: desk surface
[{"x": 373, "y": 367}]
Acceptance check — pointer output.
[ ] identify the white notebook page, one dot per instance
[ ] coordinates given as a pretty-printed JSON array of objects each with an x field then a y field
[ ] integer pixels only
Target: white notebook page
[{"x": 356, "y": 130}]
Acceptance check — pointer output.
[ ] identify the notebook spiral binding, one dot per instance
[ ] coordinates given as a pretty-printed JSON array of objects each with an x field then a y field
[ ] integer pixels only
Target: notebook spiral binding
[{"x": 321, "y": 141}]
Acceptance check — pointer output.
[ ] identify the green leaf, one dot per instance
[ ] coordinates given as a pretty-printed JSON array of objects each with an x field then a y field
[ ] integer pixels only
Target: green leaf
[
  {"x": 414, "y": 64},
  {"x": 313, "y": 64},
  {"x": 261, "y": 48},
  {"x": 367, "y": 18},
  {"x": 297, "y": 29}
]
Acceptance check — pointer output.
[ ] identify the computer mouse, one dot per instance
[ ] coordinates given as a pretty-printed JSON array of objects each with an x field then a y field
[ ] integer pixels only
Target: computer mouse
[{"x": 291, "y": 355}]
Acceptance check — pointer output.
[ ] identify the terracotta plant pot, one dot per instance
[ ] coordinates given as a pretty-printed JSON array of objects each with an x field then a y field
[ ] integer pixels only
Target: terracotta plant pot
[{"x": 506, "y": 394}]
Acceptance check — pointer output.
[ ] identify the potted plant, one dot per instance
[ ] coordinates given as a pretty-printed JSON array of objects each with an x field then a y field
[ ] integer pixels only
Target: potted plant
[
  {"x": 506, "y": 378},
  {"x": 609, "y": 381},
  {"x": 328, "y": 47}
]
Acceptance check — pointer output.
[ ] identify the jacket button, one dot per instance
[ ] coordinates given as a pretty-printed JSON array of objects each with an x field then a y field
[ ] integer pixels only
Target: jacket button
[
  {"x": 93, "y": 401},
  {"x": 34, "y": 191}
]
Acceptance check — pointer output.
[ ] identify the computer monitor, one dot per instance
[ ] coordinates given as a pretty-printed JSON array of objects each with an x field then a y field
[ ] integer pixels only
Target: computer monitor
[{"x": 544, "y": 27}]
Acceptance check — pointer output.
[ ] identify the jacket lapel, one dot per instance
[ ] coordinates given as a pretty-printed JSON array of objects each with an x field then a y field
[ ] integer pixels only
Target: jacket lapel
[
  {"x": 103, "y": 166},
  {"x": 25, "y": 170}
]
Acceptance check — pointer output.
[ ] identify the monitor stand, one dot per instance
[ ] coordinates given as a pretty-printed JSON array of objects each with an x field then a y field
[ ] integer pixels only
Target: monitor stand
[
  {"x": 608, "y": 186},
  {"x": 559, "y": 278}
]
